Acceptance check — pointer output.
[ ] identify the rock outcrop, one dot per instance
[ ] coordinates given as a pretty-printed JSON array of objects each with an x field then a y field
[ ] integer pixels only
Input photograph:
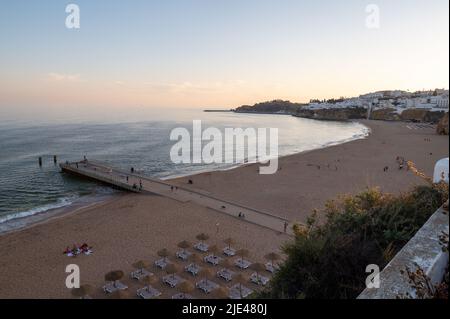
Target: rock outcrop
[
  {"x": 422, "y": 115},
  {"x": 341, "y": 114},
  {"x": 385, "y": 115}
]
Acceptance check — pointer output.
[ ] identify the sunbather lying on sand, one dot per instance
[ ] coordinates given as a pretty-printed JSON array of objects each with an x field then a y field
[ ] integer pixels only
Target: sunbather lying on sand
[{"x": 85, "y": 249}]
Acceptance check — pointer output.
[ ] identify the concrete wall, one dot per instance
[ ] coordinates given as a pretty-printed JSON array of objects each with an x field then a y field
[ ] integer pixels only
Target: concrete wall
[{"x": 424, "y": 250}]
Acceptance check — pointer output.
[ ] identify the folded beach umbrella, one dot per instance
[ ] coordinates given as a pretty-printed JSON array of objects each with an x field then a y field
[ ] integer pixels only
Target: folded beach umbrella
[
  {"x": 172, "y": 269},
  {"x": 141, "y": 264},
  {"x": 202, "y": 237},
  {"x": 272, "y": 257},
  {"x": 241, "y": 279},
  {"x": 242, "y": 253},
  {"x": 150, "y": 280},
  {"x": 164, "y": 253},
  {"x": 229, "y": 242},
  {"x": 184, "y": 245},
  {"x": 114, "y": 275},
  {"x": 214, "y": 250},
  {"x": 258, "y": 267}
]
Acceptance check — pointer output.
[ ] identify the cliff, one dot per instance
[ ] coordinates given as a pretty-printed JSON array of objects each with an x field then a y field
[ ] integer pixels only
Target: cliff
[
  {"x": 385, "y": 115},
  {"x": 421, "y": 115},
  {"x": 342, "y": 114}
]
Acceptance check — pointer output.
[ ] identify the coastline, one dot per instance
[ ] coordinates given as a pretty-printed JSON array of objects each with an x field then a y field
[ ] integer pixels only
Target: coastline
[
  {"x": 359, "y": 165},
  {"x": 20, "y": 223},
  {"x": 88, "y": 201},
  {"x": 133, "y": 227}
]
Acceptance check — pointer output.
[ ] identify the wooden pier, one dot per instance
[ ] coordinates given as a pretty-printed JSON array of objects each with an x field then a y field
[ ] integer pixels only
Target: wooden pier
[{"x": 138, "y": 183}]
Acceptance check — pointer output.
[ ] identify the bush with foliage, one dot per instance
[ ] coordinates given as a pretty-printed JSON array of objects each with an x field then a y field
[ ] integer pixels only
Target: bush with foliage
[{"x": 329, "y": 259}]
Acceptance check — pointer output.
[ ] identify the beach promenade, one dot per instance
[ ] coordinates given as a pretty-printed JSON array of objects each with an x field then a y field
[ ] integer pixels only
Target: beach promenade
[{"x": 137, "y": 183}]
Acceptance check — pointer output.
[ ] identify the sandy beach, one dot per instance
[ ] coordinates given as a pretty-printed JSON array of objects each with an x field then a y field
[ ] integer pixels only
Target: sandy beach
[{"x": 134, "y": 227}]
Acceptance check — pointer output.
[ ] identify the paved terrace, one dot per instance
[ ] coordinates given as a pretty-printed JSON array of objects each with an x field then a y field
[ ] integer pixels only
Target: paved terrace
[{"x": 138, "y": 183}]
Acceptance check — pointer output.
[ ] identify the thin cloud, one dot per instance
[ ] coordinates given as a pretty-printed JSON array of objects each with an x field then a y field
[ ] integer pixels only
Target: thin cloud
[{"x": 59, "y": 77}]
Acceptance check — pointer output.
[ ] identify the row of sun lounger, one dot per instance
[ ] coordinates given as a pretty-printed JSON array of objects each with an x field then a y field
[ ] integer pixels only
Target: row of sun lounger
[
  {"x": 148, "y": 293},
  {"x": 204, "y": 248},
  {"x": 238, "y": 291}
]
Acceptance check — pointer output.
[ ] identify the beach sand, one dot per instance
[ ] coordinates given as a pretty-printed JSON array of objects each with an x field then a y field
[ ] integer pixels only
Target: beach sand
[{"x": 132, "y": 227}]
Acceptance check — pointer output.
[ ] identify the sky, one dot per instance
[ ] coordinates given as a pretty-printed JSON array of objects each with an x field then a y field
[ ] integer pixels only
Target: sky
[{"x": 214, "y": 53}]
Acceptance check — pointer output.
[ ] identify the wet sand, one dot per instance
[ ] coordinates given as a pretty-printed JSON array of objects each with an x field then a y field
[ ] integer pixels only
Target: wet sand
[{"x": 132, "y": 227}]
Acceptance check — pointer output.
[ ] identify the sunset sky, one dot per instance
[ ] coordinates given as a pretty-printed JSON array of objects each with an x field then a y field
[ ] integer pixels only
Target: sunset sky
[{"x": 215, "y": 53}]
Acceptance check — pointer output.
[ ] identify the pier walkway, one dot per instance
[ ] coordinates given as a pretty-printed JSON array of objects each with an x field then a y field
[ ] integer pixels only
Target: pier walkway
[{"x": 138, "y": 183}]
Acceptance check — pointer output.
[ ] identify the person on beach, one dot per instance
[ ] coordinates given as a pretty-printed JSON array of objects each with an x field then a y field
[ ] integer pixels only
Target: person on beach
[
  {"x": 285, "y": 227},
  {"x": 127, "y": 179}
]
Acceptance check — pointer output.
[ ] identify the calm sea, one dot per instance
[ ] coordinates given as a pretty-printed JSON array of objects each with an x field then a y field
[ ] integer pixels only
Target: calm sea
[{"x": 27, "y": 189}]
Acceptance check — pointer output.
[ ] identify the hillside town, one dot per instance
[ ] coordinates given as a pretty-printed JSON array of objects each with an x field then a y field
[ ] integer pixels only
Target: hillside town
[{"x": 433, "y": 100}]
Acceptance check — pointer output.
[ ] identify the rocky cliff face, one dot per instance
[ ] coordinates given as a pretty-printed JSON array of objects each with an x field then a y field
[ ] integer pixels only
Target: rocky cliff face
[
  {"x": 442, "y": 127},
  {"x": 415, "y": 115},
  {"x": 333, "y": 114},
  {"x": 385, "y": 115},
  {"x": 420, "y": 115}
]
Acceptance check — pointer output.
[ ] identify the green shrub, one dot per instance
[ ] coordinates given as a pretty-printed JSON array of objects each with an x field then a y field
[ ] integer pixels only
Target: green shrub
[{"x": 329, "y": 259}]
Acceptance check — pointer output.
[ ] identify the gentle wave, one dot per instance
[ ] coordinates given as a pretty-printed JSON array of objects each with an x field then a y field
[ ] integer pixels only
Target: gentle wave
[{"x": 62, "y": 202}]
